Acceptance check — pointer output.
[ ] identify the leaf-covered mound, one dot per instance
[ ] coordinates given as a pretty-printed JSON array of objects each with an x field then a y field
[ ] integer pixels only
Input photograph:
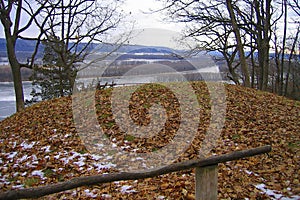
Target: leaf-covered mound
[{"x": 41, "y": 146}]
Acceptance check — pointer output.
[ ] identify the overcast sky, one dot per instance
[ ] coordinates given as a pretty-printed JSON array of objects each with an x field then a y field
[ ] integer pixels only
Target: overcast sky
[{"x": 138, "y": 10}]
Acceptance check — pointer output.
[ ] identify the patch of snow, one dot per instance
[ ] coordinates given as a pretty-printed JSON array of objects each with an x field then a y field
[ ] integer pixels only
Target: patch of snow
[
  {"x": 81, "y": 158},
  {"x": 46, "y": 149},
  {"x": 114, "y": 145},
  {"x": 25, "y": 157},
  {"x": 109, "y": 157},
  {"x": 80, "y": 161},
  {"x": 144, "y": 165},
  {"x": 100, "y": 145},
  {"x": 89, "y": 169},
  {"x": 100, "y": 166},
  {"x": 96, "y": 157},
  {"x": 57, "y": 156},
  {"x": 106, "y": 196},
  {"x": 74, "y": 193},
  {"x": 24, "y": 145},
  {"x": 274, "y": 194},
  {"x": 66, "y": 160},
  {"x": 295, "y": 197},
  {"x": 11, "y": 155},
  {"x": 126, "y": 189},
  {"x": 16, "y": 165},
  {"x": 4, "y": 180},
  {"x": 81, "y": 168},
  {"x": 137, "y": 158},
  {"x": 161, "y": 197},
  {"x": 125, "y": 147},
  {"x": 32, "y": 162},
  {"x": 17, "y": 186},
  {"x": 248, "y": 172},
  {"x": 38, "y": 173},
  {"x": 35, "y": 159},
  {"x": 14, "y": 144},
  {"x": 90, "y": 193}
]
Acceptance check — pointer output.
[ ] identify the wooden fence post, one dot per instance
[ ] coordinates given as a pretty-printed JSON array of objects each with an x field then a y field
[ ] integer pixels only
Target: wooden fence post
[{"x": 206, "y": 183}]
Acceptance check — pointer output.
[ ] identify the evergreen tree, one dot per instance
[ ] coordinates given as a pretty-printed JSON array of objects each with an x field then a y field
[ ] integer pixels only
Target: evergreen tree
[{"x": 56, "y": 76}]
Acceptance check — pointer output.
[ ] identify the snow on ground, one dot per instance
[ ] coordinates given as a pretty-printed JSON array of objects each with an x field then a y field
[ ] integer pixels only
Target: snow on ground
[
  {"x": 23, "y": 165},
  {"x": 24, "y": 145},
  {"x": 126, "y": 189},
  {"x": 275, "y": 194},
  {"x": 38, "y": 173}
]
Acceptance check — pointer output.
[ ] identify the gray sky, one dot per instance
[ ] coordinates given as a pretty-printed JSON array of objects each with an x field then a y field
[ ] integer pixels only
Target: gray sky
[
  {"x": 137, "y": 8},
  {"x": 154, "y": 20}
]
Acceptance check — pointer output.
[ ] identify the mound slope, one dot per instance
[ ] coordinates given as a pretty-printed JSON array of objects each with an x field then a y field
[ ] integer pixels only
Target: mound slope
[{"x": 41, "y": 146}]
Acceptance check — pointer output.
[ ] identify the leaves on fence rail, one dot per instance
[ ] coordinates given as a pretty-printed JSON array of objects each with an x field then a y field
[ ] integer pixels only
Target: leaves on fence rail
[{"x": 40, "y": 146}]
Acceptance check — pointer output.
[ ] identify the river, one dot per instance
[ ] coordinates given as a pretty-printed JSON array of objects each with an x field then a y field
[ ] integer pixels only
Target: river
[
  {"x": 7, "y": 95},
  {"x": 7, "y": 98}
]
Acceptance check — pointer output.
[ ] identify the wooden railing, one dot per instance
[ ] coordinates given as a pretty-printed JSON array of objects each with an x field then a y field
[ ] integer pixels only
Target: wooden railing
[{"x": 205, "y": 180}]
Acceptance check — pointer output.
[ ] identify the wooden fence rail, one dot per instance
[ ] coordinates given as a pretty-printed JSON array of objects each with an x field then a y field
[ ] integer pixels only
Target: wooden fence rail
[{"x": 206, "y": 176}]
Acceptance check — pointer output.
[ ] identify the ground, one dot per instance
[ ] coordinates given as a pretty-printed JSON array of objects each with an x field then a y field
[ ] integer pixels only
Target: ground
[{"x": 40, "y": 145}]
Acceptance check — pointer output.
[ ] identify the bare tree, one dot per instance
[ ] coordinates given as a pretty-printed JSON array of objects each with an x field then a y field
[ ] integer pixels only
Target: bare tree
[
  {"x": 291, "y": 59},
  {"x": 72, "y": 28},
  {"x": 292, "y": 87},
  {"x": 209, "y": 24},
  {"x": 10, "y": 16},
  {"x": 255, "y": 20},
  {"x": 72, "y": 21},
  {"x": 286, "y": 40},
  {"x": 250, "y": 21}
]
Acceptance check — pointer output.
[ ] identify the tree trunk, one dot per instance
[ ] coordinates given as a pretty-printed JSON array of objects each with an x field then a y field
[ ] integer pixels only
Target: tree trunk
[
  {"x": 281, "y": 86},
  {"x": 240, "y": 46},
  {"x": 234, "y": 76},
  {"x": 266, "y": 44},
  {"x": 11, "y": 39},
  {"x": 263, "y": 30},
  {"x": 290, "y": 63},
  {"x": 18, "y": 86},
  {"x": 16, "y": 72}
]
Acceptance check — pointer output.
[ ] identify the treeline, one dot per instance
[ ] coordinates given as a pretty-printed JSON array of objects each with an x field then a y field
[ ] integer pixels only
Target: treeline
[
  {"x": 121, "y": 67},
  {"x": 6, "y": 74}
]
